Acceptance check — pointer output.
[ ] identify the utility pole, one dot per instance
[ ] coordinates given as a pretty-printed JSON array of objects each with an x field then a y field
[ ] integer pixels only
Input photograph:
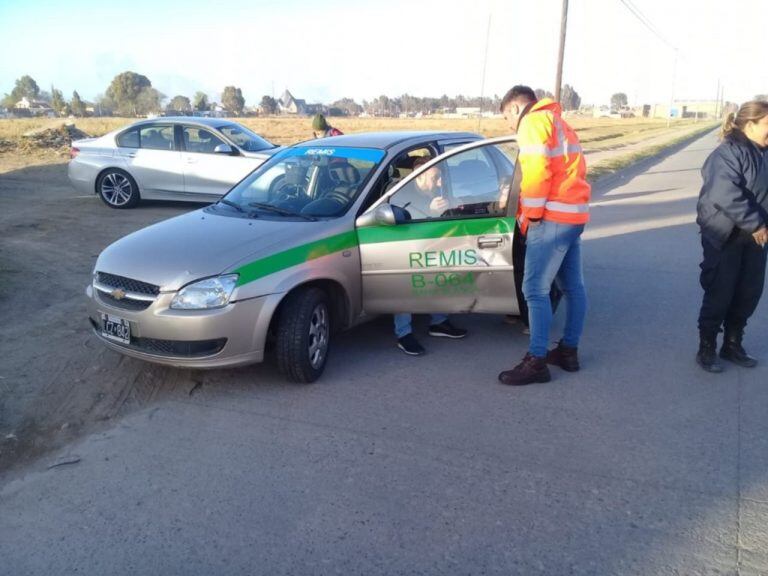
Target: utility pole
[
  {"x": 485, "y": 62},
  {"x": 717, "y": 99},
  {"x": 722, "y": 100},
  {"x": 561, "y": 54},
  {"x": 672, "y": 95}
]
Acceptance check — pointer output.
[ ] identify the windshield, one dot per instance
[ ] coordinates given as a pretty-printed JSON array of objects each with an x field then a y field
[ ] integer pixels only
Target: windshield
[
  {"x": 307, "y": 182},
  {"x": 244, "y": 138}
]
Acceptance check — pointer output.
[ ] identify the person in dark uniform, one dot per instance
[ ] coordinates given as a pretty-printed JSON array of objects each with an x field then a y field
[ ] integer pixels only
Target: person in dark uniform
[{"x": 732, "y": 213}]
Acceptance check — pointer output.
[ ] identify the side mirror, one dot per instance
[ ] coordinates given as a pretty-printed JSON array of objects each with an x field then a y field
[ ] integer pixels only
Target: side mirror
[
  {"x": 224, "y": 149},
  {"x": 383, "y": 215}
]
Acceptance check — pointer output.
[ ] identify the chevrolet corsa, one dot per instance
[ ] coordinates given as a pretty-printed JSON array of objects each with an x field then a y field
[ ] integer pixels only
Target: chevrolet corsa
[{"x": 322, "y": 235}]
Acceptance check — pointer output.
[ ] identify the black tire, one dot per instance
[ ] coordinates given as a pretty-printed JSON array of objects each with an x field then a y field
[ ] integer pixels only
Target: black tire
[
  {"x": 117, "y": 189},
  {"x": 304, "y": 335}
]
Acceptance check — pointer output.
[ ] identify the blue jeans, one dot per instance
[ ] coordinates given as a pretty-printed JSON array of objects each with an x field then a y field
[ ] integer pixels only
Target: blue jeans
[
  {"x": 403, "y": 323},
  {"x": 554, "y": 255}
]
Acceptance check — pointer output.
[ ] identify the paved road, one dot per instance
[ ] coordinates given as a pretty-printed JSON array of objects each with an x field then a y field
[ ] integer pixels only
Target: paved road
[{"x": 639, "y": 464}]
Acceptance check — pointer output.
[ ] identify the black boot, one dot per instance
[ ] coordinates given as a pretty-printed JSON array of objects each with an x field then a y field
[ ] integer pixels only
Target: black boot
[
  {"x": 565, "y": 357},
  {"x": 531, "y": 370},
  {"x": 733, "y": 351},
  {"x": 707, "y": 354}
]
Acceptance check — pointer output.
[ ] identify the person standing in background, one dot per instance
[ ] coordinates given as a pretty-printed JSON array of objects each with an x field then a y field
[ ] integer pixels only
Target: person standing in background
[{"x": 732, "y": 213}]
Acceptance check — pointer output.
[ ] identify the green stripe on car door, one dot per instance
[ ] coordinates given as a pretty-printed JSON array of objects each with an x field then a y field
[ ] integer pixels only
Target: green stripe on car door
[
  {"x": 344, "y": 241},
  {"x": 436, "y": 229},
  {"x": 294, "y": 256}
]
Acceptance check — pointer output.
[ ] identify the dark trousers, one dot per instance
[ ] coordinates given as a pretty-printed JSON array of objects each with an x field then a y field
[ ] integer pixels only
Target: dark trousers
[
  {"x": 518, "y": 262},
  {"x": 732, "y": 278}
]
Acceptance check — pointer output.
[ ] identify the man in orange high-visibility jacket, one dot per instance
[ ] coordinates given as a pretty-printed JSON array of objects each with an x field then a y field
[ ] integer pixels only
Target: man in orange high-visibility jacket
[{"x": 554, "y": 207}]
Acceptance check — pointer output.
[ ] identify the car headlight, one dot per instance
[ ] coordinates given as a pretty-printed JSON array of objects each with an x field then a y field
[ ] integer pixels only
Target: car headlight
[{"x": 205, "y": 294}]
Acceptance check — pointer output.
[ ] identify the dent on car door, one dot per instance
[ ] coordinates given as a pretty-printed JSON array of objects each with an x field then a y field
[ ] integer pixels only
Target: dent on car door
[{"x": 441, "y": 241}]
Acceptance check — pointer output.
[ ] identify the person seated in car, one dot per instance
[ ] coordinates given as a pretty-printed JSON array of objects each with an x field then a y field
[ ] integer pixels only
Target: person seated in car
[
  {"x": 426, "y": 202},
  {"x": 426, "y": 199},
  {"x": 207, "y": 143}
]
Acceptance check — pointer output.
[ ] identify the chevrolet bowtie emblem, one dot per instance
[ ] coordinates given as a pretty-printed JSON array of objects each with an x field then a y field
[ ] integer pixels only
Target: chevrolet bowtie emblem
[{"x": 117, "y": 293}]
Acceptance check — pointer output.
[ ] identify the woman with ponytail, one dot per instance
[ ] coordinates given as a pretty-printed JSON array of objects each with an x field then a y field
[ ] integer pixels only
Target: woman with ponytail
[{"x": 732, "y": 213}]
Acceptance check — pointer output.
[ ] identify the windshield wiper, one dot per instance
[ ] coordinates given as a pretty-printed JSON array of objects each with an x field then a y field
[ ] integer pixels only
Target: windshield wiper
[
  {"x": 234, "y": 205},
  {"x": 282, "y": 211}
]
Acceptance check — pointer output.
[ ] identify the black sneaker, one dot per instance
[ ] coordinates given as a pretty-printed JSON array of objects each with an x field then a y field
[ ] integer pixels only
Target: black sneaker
[
  {"x": 446, "y": 330},
  {"x": 410, "y": 345}
]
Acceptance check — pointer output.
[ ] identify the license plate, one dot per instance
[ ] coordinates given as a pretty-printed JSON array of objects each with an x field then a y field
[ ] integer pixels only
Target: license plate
[{"x": 114, "y": 328}]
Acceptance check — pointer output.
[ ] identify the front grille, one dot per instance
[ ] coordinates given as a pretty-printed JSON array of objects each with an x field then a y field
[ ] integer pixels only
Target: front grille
[
  {"x": 124, "y": 303},
  {"x": 127, "y": 284},
  {"x": 187, "y": 349},
  {"x": 177, "y": 348}
]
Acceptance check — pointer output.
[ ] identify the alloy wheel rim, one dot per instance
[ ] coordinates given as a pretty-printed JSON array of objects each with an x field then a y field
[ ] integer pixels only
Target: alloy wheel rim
[
  {"x": 116, "y": 189},
  {"x": 318, "y": 336}
]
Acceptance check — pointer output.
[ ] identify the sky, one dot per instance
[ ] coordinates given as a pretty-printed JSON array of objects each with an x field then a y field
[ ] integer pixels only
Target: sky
[{"x": 324, "y": 50}]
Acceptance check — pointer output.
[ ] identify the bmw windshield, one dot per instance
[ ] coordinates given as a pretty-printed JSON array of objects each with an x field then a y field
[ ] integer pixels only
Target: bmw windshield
[
  {"x": 305, "y": 182},
  {"x": 244, "y": 138}
]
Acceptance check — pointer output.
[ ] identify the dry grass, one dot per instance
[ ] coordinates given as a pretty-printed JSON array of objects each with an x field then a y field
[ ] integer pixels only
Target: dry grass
[
  {"x": 596, "y": 134},
  {"x": 592, "y": 131}
]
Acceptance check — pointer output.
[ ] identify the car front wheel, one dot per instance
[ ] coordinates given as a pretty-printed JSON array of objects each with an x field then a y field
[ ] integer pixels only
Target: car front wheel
[
  {"x": 304, "y": 335},
  {"x": 117, "y": 189}
]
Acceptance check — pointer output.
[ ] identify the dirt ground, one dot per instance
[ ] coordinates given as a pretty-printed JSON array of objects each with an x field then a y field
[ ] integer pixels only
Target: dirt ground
[{"x": 55, "y": 378}]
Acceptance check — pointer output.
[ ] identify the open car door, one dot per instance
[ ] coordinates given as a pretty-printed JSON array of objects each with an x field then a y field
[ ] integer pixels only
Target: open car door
[{"x": 441, "y": 240}]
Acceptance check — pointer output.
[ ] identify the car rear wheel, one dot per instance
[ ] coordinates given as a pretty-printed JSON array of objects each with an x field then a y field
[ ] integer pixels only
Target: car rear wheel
[
  {"x": 118, "y": 189},
  {"x": 304, "y": 335}
]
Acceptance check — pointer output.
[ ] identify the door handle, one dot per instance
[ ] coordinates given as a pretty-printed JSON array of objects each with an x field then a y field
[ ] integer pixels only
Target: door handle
[
  {"x": 191, "y": 161},
  {"x": 131, "y": 154},
  {"x": 490, "y": 241}
]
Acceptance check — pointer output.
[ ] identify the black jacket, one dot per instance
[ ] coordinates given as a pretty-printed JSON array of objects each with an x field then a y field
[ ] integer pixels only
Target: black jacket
[{"x": 735, "y": 189}]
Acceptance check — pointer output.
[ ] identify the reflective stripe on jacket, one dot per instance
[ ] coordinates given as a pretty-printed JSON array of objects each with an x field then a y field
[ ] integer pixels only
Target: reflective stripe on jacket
[{"x": 554, "y": 185}]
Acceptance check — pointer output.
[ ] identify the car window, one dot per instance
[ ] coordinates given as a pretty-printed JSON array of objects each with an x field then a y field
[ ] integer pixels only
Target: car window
[
  {"x": 400, "y": 166},
  {"x": 155, "y": 137},
  {"x": 129, "y": 139},
  {"x": 310, "y": 181},
  {"x": 474, "y": 183},
  {"x": 471, "y": 174},
  {"x": 200, "y": 141},
  {"x": 244, "y": 138}
]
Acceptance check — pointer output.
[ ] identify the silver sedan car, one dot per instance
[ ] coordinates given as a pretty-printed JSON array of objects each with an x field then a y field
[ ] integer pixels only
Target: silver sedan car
[{"x": 183, "y": 158}]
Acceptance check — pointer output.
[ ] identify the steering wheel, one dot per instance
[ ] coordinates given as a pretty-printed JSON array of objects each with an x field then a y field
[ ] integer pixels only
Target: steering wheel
[
  {"x": 337, "y": 196},
  {"x": 282, "y": 191}
]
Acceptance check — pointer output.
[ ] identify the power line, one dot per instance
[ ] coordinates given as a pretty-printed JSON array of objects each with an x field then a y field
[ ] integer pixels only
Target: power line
[{"x": 646, "y": 22}]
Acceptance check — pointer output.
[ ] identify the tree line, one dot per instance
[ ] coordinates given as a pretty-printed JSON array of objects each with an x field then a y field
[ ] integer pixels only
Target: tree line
[{"x": 132, "y": 94}]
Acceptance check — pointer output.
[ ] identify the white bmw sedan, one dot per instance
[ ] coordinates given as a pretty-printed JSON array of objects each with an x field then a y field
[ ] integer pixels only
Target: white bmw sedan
[{"x": 179, "y": 158}]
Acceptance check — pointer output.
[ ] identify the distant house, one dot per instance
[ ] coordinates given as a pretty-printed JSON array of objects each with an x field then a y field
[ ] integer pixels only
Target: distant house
[
  {"x": 218, "y": 111},
  {"x": 468, "y": 111},
  {"x": 215, "y": 110},
  {"x": 35, "y": 107},
  {"x": 689, "y": 109},
  {"x": 287, "y": 104}
]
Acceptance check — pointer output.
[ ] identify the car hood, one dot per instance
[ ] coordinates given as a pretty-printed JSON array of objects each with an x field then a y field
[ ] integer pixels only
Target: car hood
[
  {"x": 263, "y": 154},
  {"x": 197, "y": 245}
]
